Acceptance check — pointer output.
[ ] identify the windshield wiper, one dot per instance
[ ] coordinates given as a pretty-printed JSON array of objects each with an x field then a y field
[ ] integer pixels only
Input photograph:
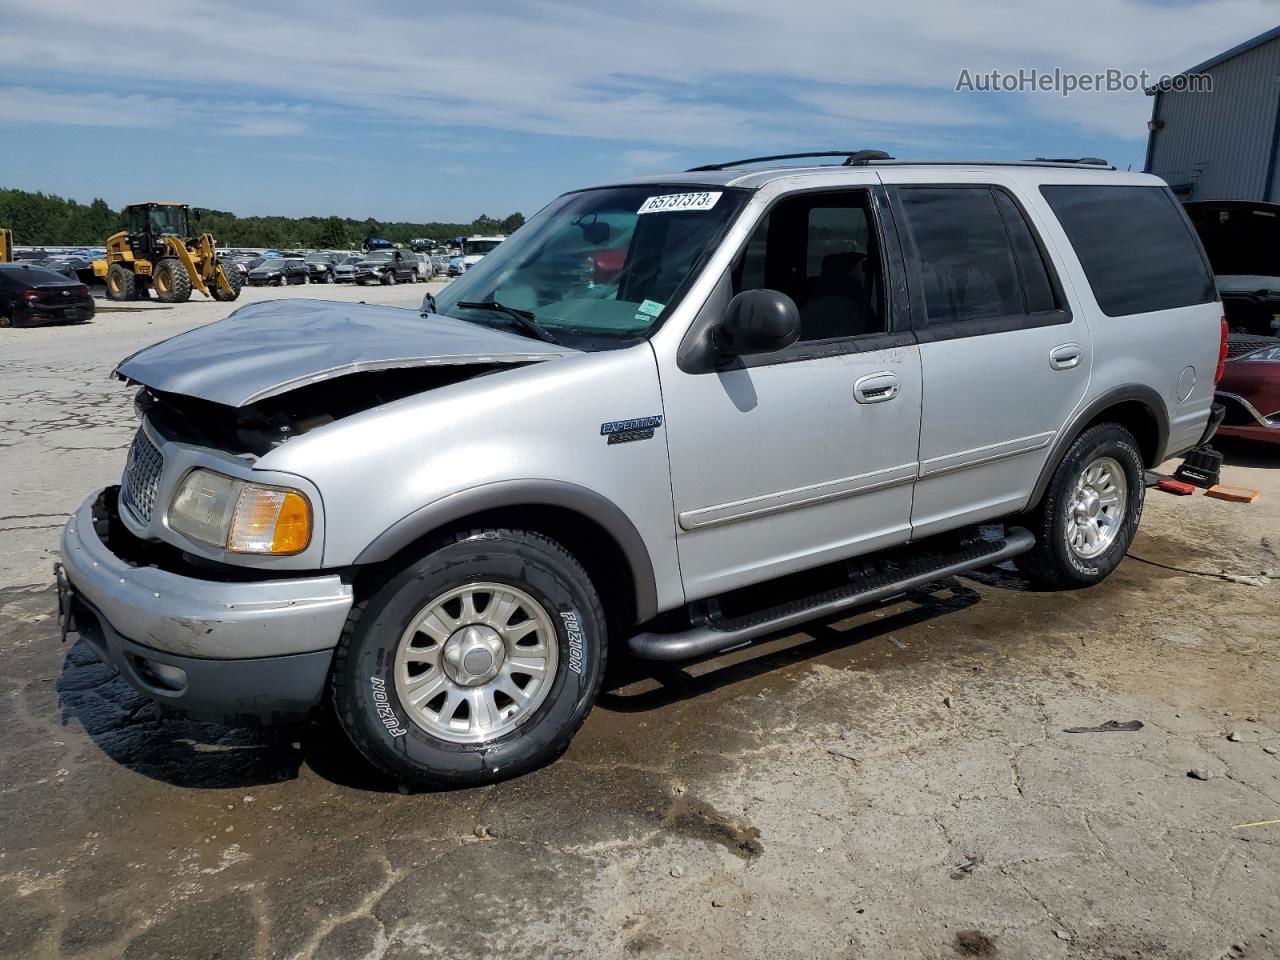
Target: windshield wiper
[{"x": 523, "y": 318}]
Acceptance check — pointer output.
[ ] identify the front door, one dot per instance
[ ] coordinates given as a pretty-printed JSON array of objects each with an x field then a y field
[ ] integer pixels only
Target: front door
[
  {"x": 1004, "y": 360},
  {"x": 788, "y": 460}
]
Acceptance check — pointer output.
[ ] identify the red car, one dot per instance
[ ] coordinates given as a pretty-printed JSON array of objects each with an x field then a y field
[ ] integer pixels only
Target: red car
[{"x": 1250, "y": 388}]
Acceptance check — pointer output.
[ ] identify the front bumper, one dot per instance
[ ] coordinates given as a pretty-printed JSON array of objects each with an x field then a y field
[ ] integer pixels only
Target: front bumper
[{"x": 236, "y": 651}]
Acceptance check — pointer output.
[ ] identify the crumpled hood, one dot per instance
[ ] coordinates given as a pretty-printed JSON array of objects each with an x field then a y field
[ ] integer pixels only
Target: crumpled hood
[{"x": 266, "y": 349}]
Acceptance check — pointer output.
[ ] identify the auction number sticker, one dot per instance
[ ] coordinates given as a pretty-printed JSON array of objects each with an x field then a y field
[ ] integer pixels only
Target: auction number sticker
[{"x": 675, "y": 202}]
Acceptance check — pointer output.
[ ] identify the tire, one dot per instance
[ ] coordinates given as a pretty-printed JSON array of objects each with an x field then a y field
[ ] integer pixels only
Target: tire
[
  {"x": 439, "y": 743},
  {"x": 279, "y": 283},
  {"x": 329, "y": 277},
  {"x": 171, "y": 281},
  {"x": 121, "y": 283},
  {"x": 1103, "y": 461},
  {"x": 389, "y": 278},
  {"x": 415, "y": 277},
  {"x": 234, "y": 280}
]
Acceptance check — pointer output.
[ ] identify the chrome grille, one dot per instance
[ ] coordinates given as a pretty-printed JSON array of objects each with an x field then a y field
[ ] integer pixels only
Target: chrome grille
[{"x": 141, "y": 480}]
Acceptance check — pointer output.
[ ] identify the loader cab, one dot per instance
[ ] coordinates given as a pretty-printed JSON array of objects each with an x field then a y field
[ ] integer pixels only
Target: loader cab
[{"x": 148, "y": 222}]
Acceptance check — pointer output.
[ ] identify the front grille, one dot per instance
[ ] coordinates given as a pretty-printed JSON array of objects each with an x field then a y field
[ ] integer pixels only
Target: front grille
[{"x": 141, "y": 480}]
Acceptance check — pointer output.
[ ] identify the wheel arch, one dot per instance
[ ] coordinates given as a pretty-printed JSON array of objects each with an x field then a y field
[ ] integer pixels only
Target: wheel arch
[
  {"x": 588, "y": 525},
  {"x": 1138, "y": 408}
]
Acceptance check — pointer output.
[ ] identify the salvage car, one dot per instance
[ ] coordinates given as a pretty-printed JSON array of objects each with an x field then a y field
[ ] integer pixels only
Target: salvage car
[
  {"x": 32, "y": 296},
  {"x": 387, "y": 267},
  {"x": 775, "y": 394},
  {"x": 279, "y": 272},
  {"x": 1242, "y": 239},
  {"x": 1250, "y": 388},
  {"x": 321, "y": 267}
]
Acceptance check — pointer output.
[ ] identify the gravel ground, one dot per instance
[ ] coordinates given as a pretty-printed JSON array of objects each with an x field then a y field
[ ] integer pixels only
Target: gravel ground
[{"x": 897, "y": 784}]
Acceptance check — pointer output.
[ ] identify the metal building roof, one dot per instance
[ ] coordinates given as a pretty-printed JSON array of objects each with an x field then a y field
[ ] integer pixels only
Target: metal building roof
[{"x": 1235, "y": 51}]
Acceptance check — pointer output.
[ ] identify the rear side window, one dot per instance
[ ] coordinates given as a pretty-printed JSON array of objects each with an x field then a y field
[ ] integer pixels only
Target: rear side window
[
  {"x": 976, "y": 256},
  {"x": 1135, "y": 246}
]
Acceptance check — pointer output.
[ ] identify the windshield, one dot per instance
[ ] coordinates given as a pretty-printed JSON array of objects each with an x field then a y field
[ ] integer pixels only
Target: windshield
[
  {"x": 318, "y": 258},
  {"x": 270, "y": 265},
  {"x": 168, "y": 220},
  {"x": 472, "y": 247},
  {"x": 379, "y": 256},
  {"x": 592, "y": 267}
]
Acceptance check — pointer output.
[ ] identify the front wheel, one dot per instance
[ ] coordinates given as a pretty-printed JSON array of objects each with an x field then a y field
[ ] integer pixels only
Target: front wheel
[
  {"x": 389, "y": 278},
  {"x": 476, "y": 663},
  {"x": 1090, "y": 512}
]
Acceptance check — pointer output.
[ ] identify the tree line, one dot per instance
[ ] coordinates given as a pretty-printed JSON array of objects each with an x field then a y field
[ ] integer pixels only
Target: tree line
[{"x": 39, "y": 219}]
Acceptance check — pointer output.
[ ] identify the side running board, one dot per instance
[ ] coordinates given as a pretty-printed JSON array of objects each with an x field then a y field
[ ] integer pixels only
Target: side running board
[{"x": 718, "y": 636}]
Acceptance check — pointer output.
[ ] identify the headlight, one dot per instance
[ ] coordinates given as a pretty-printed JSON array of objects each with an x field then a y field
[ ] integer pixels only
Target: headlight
[
  {"x": 1266, "y": 353},
  {"x": 241, "y": 517}
]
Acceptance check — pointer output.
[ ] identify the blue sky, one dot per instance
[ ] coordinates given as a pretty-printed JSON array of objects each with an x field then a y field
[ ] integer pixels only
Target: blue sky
[{"x": 444, "y": 111}]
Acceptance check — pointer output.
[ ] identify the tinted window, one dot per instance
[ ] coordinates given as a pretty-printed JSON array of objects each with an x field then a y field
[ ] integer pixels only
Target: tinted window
[
  {"x": 820, "y": 250},
  {"x": 967, "y": 267},
  {"x": 1037, "y": 289},
  {"x": 1135, "y": 246}
]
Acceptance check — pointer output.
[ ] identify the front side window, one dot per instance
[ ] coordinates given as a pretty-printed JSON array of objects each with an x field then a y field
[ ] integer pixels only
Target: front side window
[
  {"x": 598, "y": 268},
  {"x": 168, "y": 220},
  {"x": 1135, "y": 245},
  {"x": 820, "y": 250}
]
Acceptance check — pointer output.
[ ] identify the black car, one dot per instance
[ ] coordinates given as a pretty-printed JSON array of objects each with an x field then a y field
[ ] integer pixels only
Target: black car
[
  {"x": 321, "y": 266},
  {"x": 388, "y": 267},
  {"x": 33, "y": 295},
  {"x": 276, "y": 272}
]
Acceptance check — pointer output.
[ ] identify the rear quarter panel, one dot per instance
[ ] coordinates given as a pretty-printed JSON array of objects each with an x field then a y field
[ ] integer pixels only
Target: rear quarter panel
[{"x": 1175, "y": 352}]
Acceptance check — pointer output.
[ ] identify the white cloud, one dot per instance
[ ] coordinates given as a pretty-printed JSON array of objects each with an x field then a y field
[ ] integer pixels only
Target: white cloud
[{"x": 668, "y": 73}]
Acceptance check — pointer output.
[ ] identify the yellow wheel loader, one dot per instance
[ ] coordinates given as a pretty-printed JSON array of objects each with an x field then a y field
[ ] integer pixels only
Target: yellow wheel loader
[
  {"x": 6, "y": 245},
  {"x": 157, "y": 251}
]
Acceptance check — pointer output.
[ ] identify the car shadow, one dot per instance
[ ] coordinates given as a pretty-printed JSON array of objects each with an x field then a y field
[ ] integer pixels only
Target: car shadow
[
  {"x": 688, "y": 679},
  {"x": 1239, "y": 452},
  {"x": 133, "y": 731}
]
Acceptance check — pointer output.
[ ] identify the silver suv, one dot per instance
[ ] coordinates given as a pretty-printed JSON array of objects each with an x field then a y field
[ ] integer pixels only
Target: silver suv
[{"x": 670, "y": 415}]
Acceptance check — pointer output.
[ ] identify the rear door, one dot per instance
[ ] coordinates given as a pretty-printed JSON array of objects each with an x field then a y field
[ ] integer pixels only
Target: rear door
[{"x": 1004, "y": 360}]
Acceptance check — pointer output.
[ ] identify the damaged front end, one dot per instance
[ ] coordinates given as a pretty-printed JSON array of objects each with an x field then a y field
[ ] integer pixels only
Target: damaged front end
[{"x": 272, "y": 371}]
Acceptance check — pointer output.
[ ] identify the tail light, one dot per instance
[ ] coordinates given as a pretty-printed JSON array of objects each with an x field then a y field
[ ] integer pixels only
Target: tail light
[{"x": 1222, "y": 354}]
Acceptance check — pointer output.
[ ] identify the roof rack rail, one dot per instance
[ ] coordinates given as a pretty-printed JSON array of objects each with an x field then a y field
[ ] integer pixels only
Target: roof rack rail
[
  {"x": 1086, "y": 161},
  {"x": 851, "y": 157}
]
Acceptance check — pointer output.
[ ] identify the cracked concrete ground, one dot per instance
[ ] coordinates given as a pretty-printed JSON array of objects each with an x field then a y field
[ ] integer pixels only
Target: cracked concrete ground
[{"x": 897, "y": 784}]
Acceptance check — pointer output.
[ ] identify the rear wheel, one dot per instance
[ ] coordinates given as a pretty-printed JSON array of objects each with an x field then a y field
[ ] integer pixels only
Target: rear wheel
[
  {"x": 234, "y": 281},
  {"x": 1090, "y": 512},
  {"x": 172, "y": 282},
  {"x": 476, "y": 663},
  {"x": 121, "y": 283}
]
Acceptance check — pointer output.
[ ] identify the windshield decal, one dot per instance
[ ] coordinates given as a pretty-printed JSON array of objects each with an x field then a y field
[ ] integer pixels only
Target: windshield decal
[
  {"x": 675, "y": 202},
  {"x": 648, "y": 310}
]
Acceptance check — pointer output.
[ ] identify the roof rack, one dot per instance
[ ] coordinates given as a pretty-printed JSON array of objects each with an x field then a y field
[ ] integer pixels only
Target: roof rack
[
  {"x": 851, "y": 158},
  {"x": 1086, "y": 161}
]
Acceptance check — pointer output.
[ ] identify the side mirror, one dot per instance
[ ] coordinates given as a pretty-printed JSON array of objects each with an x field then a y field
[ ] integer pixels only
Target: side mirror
[{"x": 757, "y": 321}]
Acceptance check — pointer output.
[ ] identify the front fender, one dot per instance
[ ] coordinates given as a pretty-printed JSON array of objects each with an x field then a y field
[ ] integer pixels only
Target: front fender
[{"x": 525, "y": 493}]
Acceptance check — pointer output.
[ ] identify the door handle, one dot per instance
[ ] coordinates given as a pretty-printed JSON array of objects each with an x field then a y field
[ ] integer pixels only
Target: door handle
[
  {"x": 876, "y": 387},
  {"x": 1065, "y": 356}
]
